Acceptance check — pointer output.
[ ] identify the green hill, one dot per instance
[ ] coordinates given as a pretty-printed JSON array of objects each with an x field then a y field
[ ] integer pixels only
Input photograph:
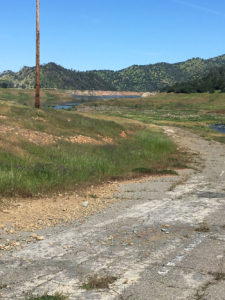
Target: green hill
[
  {"x": 135, "y": 78},
  {"x": 55, "y": 76},
  {"x": 157, "y": 76},
  {"x": 213, "y": 81}
]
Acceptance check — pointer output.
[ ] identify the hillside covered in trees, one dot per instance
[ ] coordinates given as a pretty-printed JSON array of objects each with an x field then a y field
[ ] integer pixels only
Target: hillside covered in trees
[
  {"x": 213, "y": 81},
  {"x": 55, "y": 76},
  {"x": 135, "y": 78}
]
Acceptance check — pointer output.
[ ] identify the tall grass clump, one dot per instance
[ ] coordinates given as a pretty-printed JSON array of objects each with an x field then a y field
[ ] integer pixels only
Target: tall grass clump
[{"x": 65, "y": 165}]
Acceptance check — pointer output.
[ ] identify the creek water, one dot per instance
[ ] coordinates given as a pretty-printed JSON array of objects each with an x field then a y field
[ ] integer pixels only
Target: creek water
[
  {"x": 219, "y": 127},
  {"x": 78, "y": 99}
]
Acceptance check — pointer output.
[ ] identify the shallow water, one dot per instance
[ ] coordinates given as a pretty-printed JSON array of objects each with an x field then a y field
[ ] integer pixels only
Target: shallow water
[
  {"x": 83, "y": 99},
  {"x": 67, "y": 105},
  {"x": 219, "y": 127}
]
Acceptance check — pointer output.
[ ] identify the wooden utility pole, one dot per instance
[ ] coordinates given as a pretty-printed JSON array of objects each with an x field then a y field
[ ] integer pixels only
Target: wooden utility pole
[{"x": 37, "y": 92}]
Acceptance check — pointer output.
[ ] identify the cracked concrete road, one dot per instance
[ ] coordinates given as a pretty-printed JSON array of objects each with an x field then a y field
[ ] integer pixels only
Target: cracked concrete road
[{"x": 151, "y": 241}]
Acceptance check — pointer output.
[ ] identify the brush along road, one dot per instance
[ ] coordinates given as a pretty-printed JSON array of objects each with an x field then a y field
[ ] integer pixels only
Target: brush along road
[{"x": 165, "y": 240}]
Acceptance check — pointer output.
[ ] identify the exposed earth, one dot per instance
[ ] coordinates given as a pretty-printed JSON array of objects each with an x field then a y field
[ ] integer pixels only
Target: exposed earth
[
  {"x": 105, "y": 93},
  {"x": 42, "y": 138},
  {"x": 159, "y": 238}
]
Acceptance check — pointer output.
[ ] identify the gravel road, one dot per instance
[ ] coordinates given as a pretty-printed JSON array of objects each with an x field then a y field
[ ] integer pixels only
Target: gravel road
[{"x": 164, "y": 240}]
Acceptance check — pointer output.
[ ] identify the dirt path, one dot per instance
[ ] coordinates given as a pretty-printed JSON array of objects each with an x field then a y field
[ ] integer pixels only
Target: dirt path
[{"x": 151, "y": 242}]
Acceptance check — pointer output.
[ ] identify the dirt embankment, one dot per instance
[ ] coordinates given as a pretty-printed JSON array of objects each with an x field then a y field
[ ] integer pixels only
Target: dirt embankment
[{"x": 106, "y": 93}]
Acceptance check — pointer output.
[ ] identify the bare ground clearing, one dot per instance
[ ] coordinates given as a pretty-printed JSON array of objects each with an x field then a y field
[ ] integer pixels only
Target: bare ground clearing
[
  {"x": 42, "y": 138},
  {"x": 151, "y": 241}
]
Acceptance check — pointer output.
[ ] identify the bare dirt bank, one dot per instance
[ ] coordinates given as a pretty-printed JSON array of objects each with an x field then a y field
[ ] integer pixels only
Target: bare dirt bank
[{"x": 105, "y": 93}]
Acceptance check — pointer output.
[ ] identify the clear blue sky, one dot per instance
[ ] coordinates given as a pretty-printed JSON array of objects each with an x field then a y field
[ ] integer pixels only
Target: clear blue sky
[{"x": 111, "y": 34}]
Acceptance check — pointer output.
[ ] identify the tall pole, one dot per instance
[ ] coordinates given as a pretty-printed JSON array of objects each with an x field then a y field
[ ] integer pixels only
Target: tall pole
[{"x": 37, "y": 92}]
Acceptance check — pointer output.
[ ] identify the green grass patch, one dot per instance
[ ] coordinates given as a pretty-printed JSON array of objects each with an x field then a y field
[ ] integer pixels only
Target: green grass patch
[
  {"x": 26, "y": 96},
  {"x": 193, "y": 111},
  {"x": 163, "y": 101},
  {"x": 59, "y": 123},
  {"x": 28, "y": 168},
  {"x": 64, "y": 165}
]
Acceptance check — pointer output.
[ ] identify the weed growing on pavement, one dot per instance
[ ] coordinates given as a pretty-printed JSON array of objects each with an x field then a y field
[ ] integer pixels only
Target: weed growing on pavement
[
  {"x": 96, "y": 282},
  {"x": 203, "y": 227},
  {"x": 57, "y": 296}
]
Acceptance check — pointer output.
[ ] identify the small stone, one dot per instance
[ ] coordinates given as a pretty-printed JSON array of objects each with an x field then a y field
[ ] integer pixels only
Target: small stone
[
  {"x": 6, "y": 211},
  {"x": 85, "y": 204},
  {"x": 165, "y": 230},
  {"x": 34, "y": 235},
  {"x": 40, "y": 238},
  {"x": 18, "y": 205}
]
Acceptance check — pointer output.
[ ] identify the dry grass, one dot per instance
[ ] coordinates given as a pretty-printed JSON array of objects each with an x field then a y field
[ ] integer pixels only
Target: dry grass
[
  {"x": 203, "y": 227},
  {"x": 96, "y": 282},
  {"x": 57, "y": 296}
]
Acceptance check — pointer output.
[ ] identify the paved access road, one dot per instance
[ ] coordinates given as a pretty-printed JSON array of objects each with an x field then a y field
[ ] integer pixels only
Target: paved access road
[{"x": 148, "y": 241}]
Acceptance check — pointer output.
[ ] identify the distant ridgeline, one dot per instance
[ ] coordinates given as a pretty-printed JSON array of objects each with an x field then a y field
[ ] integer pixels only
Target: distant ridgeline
[
  {"x": 135, "y": 78},
  {"x": 213, "y": 81}
]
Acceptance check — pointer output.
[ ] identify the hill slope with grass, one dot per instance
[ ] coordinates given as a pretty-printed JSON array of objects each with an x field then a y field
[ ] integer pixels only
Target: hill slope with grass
[
  {"x": 48, "y": 151},
  {"x": 135, "y": 78},
  {"x": 199, "y": 112}
]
